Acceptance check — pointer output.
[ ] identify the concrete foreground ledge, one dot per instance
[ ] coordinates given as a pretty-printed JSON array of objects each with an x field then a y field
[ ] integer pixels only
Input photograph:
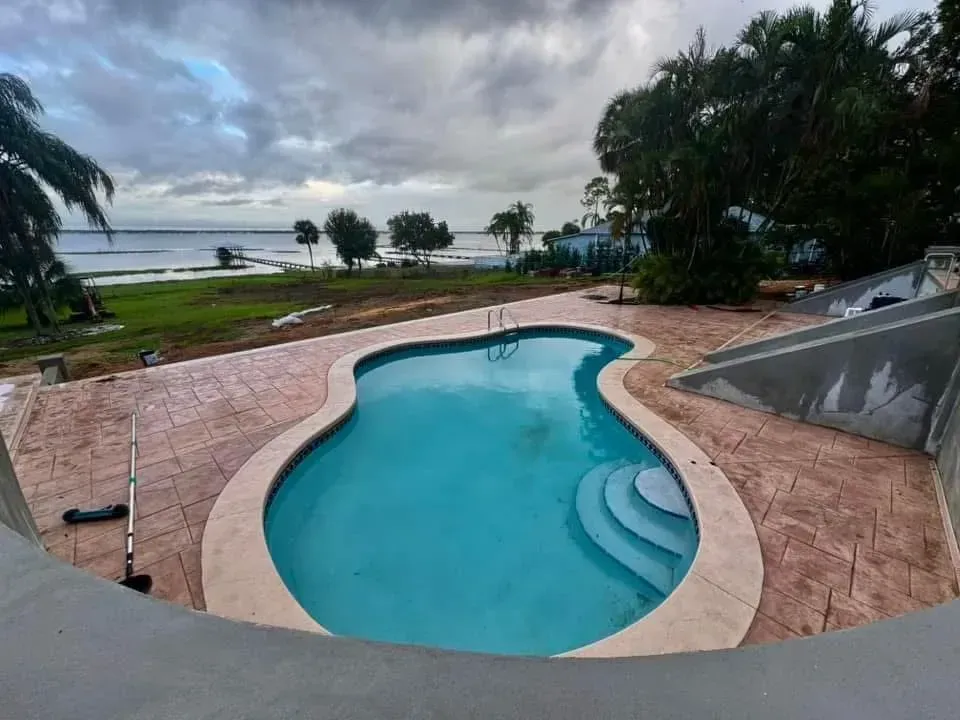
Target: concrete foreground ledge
[{"x": 82, "y": 648}]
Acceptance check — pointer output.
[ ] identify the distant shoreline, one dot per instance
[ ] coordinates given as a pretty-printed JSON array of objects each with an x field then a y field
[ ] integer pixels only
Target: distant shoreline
[
  {"x": 154, "y": 251},
  {"x": 220, "y": 231},
  {"x": 156, "y": 271}
]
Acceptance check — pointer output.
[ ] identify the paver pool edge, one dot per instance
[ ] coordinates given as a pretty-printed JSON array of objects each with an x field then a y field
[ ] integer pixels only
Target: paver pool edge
[{"x": 711, "y": 608}]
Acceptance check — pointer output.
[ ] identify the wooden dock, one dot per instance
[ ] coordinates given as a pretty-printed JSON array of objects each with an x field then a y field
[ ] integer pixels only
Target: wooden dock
[
  {"x": 386, "y": 254},
  {"x": 243, "y": 257}
]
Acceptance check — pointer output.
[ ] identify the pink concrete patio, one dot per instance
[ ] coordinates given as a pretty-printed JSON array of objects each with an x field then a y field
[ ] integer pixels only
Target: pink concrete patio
[{"x": 850, "y": 528}]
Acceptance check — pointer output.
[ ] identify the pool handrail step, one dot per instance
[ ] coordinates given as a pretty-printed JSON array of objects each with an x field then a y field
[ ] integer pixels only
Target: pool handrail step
[{"x": 504, "y": 311}]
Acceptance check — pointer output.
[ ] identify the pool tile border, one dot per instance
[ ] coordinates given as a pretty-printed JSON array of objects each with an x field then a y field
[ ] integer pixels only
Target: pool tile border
[{"x": 712, "y": 607}]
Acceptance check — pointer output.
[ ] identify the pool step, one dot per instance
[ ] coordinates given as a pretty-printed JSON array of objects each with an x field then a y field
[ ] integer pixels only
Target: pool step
[
  {"x": 640, "y": 518},
  {"x": 649, "y": 562},
  {"x": 659, "y": 488}
]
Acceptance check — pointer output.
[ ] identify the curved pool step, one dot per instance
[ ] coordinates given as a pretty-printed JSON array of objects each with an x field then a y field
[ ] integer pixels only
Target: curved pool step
[
  {"x": 648, "y": 562},
  {"x": 642, "y": 519},
  {"x": 659, "y": 488}
]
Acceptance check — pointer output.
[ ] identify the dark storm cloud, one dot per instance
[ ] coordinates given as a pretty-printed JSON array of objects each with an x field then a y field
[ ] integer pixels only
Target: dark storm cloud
[
  {"x": 258, "y": 104},
  {"x": 229, "y": 98},
  {"x": 230, "y": 202},
  {"x": 257, "y": 122},
  {"x": 464, "y": 15},
  {"x": 384, "y": 158},
  {"x": 207, "y": 186}
]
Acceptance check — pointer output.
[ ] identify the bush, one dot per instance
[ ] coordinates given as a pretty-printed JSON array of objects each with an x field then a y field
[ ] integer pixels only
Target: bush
[{"x": 730, "y": 274}]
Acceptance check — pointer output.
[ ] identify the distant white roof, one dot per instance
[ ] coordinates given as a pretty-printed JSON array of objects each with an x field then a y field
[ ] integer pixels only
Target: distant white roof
[
  {"x": 603, "y": 229},
  {"x": 754, "y": 220}
]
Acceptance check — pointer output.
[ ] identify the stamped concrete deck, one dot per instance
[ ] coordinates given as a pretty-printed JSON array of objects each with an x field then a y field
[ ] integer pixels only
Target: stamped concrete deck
[{"x": 850, "y": 528}]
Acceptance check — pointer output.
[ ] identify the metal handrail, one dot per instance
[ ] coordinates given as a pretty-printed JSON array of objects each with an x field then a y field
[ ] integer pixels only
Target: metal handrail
[
  {"x": 489, "y": 319},
  {"x": 510, "y": 317}
]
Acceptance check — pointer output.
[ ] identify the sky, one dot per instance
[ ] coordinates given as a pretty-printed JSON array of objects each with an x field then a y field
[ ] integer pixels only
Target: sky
[{"x": 253, "y": 113}]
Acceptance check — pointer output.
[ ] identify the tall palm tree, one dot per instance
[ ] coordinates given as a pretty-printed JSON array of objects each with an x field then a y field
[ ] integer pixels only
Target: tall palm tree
[
  {"x": 307, "y": 234},
  {"x": 595, "y": 194},
  {"x": 31, "y": 162},
  {"x": 523, "y": 217},
  {"x": 773, "y": 123},
  {"x": 512, "y": 225},
  {"x": 625, "y": 210},
  {"x": 499, "y": 229}
]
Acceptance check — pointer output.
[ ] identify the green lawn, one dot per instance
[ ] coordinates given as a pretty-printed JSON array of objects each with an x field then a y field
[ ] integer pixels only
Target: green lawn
[
  {"x": 152, "y": 313},
  {"x": 186, "y": 313}
]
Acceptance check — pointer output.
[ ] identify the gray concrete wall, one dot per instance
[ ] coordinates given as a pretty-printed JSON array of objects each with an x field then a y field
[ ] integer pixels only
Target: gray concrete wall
[
  {"x": 863, "y": 321},
  {"x": 902, "y": 281},
  {"x": 883, "y": 383},
  {"x": 14, "y": 512},
  {"x": 79, "y": 648},
  {"x": 929, "y": 284},
  {"x": 945, "y": 445}
]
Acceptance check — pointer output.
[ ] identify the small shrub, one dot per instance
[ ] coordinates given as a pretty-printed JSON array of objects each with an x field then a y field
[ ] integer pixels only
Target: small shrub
[{"x": 730, "y": 274}]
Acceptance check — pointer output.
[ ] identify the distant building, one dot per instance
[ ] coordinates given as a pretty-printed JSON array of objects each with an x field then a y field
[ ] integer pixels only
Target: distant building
[
  {"x": 599, "y": 235},
  {"x": 807, "y": 252}
]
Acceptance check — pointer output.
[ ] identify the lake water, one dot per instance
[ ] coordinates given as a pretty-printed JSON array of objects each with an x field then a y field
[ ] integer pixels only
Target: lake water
[{"x": 175, "y": 251}]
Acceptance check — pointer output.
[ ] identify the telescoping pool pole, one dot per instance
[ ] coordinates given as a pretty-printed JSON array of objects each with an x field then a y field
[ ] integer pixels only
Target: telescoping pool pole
[{"x": 140, "y": 583}]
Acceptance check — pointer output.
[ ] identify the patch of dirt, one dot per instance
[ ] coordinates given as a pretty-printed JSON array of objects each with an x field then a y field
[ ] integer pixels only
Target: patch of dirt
[
  {"x": 378, "y": 305},
  {"x": 429, "y": 304}
]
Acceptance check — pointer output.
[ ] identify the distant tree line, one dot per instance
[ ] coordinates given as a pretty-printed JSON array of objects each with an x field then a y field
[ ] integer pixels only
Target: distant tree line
[
  {"x": 596, "y": 259},
  {"x": 415, "y": 234}
]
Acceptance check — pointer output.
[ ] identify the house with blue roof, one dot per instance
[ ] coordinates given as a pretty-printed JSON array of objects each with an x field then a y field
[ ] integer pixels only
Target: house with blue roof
[
  {"x": 600, "y": 235},
  {"x": 809, "y": 251}
]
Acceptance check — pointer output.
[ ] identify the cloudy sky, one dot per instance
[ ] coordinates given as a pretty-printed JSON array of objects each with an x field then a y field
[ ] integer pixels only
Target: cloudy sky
[{"x": 256, "y": 112}]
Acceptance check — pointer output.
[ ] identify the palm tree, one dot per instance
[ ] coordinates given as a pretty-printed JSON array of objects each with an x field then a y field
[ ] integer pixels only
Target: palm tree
[
  {"x": 624, "y": 209},
  {"x": 32, "y": 161},
  {"x": 595, "y": 194},
  {"x": 783, "y": 123},
  {"x": 512, "y": 225},
  {"x": 499, "y": 229},
  {"x": 307, "y": 234}
]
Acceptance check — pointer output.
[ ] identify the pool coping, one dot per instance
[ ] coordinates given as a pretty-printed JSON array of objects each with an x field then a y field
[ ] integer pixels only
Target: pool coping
[{"x": 713, "y": 606}]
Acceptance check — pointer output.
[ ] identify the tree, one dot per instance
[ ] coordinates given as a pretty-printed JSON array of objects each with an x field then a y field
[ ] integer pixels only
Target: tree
[
  {"x": 354, "y": 237},
  {"x": 419, "y": 235},
  {"x": 307, "y": 234},
  {"x": 814, "y": 120},
  {"x": 623, "y": 208},
  {"x": 33, "y": 161},
  {"x": 595, "y": 195},
  {"x": 551, "y": 235},
  {"x": 499, "y": 229},
  {"x": 512, "y": 225},
  {"x": 569, "y": 228}
]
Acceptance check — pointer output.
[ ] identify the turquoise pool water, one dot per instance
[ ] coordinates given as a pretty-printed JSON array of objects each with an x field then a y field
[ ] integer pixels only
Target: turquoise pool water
[{"x": 482, "y": 497}]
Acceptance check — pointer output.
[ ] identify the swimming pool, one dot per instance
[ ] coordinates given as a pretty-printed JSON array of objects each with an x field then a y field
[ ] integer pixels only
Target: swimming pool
[{"x": 482, "y": 497}]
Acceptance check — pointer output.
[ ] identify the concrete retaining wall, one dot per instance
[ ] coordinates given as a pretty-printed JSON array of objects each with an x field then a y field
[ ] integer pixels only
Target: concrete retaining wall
[
  {"x": 945, "y": 445},
  {"x": 902, "y": 281},
  {"x": 863, "y": 321},
  {"x": 79, "y": 648},
  {"x": 884, "y": 383},
  {"x": 14, "y": 512}
]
